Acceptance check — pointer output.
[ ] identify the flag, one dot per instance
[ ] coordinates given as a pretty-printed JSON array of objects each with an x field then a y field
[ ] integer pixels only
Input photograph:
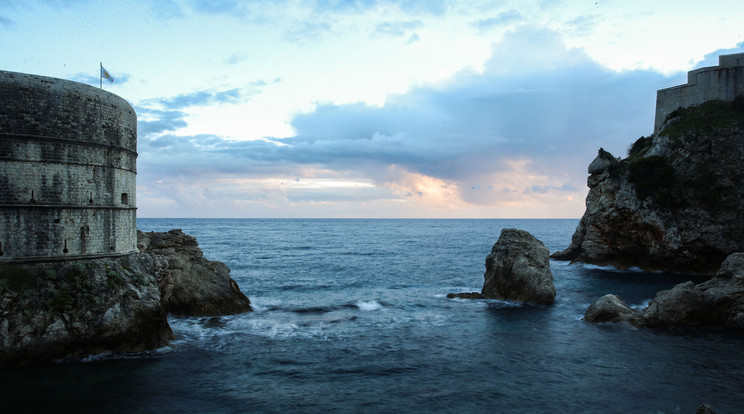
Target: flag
[{"x": 105, "y": 74}]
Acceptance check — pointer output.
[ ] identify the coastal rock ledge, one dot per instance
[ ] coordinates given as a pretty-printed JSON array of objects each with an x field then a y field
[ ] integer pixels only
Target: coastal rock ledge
[
  {"x": 72, "y": 309},
  {"x": 517, "y": 269},
  {"x": 718, "y": 301}
]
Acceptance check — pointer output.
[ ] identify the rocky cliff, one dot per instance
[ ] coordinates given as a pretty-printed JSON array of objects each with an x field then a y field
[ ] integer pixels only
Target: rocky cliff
[
  {"x": 676, "y": 203},
  {"x": 77, "y": 308}
]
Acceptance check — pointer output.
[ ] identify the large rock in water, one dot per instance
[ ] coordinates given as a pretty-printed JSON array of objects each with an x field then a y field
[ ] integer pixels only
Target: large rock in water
[
  {"x": 518, "y": 269},
  {"x": 189, "y": 283},
  {"x": 676, "y": 203},
  {"x": 74, "y": 309},
  {"x": 718, "y": 301}
]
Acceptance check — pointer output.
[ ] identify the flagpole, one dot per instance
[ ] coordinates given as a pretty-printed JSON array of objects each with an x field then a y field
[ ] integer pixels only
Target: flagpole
[{"x": 100, "y": 74}]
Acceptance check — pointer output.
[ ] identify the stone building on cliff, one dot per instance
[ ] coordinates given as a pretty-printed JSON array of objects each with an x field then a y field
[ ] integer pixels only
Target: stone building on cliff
[
  {"x": 68, "y": 155},
  {"x": 723, "y": 82}
]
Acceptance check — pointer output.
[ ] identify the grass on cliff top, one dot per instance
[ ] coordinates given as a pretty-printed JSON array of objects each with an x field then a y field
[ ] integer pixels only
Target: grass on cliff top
[{"x": 705, "y": 117}]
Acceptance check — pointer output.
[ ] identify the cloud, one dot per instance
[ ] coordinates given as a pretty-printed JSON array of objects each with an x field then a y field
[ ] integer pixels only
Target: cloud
[
  {"x": 156, "y": 121},
  {"x": 6, "y": 23},
  {"x": 711, "y": 59},
  {"x": 516, "y": 137},
  {"x": 167, "y": 9},
  {"x": 401, "y": 28},
  {"x": 307, "y": 31},
  {"x": 499, "y": 21}
]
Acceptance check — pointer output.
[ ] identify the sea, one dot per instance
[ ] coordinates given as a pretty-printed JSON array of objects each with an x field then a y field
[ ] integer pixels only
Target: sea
[{"x": 351, "y": 316}]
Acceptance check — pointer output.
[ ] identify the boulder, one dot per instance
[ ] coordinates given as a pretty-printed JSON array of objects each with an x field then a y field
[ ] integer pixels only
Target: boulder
[
  {"x": 610, "y": 308},
  {"x": 517, "y": 269},
  {"x": 189, "y": 283}
]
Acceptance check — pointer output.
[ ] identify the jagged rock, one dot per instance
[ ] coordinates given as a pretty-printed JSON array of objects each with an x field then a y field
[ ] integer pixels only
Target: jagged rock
[
  {"x": 718, "y": 301},
  {"x": 74, "y": 309},
  {"x": 610, "y": 308},
  {"x": 676, "y": 202},
  {"x": 189, "y": 283},
  {"x": 517, "y": 269}
]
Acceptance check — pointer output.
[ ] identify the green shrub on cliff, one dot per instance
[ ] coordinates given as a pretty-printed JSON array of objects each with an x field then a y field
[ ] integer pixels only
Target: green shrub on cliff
[
  {"x": 654, "y": 177},
  {"x": 705, "y": 117}
]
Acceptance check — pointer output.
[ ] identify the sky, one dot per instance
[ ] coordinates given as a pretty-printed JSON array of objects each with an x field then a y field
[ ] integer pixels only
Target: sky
[{"x": 373, "y": 108}]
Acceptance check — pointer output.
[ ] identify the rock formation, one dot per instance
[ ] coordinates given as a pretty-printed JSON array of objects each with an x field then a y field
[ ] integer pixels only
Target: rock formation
[
  {"x": 76, "y": 308},
  {"x": 718, "y": 301},
  {"x": 517, "y": 269},
  {"x": 189, "y": 283},
  {"x": 610, "y": 308},
  {"x": 676, "y": 202}
]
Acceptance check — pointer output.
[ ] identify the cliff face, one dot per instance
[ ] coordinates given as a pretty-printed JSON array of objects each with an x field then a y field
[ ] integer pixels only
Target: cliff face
[{"x": 676, "y": 203}]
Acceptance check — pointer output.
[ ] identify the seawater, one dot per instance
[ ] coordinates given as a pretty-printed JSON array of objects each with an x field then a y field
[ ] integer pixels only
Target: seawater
[{"x": 352, "y": 316}]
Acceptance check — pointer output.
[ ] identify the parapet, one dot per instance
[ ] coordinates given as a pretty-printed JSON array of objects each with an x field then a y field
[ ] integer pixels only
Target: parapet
[
  {"x": 723, "y": 82},
  {"x": 68, "y": 165}
]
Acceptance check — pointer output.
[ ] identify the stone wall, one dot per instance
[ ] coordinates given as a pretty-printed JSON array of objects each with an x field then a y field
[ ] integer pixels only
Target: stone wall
[
  {"x": 67, "y": 170},
  {"x": 723, "y": 82}
]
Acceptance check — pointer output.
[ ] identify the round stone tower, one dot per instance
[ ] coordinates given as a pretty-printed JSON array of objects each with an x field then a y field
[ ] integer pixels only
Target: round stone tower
[{"x": 68, "y": 166}]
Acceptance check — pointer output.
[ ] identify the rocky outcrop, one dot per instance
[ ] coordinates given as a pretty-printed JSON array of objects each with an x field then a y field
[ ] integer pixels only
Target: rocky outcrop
[
  {"x": 57, "y": 310},
  {"x": 718, "y": 301},
  {"x": 518, "y": 269},
  {"x": 74, "y": 309},
  {"x": 676, "y": 203},
  {"x": 189, "y": 283}
]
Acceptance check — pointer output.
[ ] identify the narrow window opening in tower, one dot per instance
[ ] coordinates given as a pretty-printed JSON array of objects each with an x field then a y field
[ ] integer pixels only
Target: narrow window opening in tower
[
  {"x": 91, "y": 198},
  {"x": 1, "y": 249},
  {"x": 125, "y": 199},
  {"x": 32, "y": 197},
  {"x": 65, "y": 249}
]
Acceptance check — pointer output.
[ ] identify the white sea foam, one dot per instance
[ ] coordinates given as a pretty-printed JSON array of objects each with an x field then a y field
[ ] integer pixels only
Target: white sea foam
[{"x": 371, "y": 305}]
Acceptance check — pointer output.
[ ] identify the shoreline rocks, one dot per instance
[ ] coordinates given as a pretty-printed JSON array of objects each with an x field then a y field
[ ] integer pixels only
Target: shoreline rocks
[
  {"x": 191, "y": 285},
  {"x": 717, "y": 302},
  {"x": 517, "y": 269},
  {"x": 78, "y": 308},
  {"x": 74, "y": 309}
]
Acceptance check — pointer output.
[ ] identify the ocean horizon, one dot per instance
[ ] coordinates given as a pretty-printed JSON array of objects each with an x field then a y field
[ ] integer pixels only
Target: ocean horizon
[{"x": 351, "y": 315}]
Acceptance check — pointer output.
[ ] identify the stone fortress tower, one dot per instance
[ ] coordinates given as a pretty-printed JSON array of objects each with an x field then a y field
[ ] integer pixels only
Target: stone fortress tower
[
  {"x": 723, "y": 82},
  {"x": 68, "y": 166}
]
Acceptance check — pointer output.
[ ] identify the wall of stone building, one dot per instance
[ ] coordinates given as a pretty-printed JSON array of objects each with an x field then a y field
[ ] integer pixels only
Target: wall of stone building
[
  {"x": 67, "y": 170},
  {"x": 723, "y": 82}
]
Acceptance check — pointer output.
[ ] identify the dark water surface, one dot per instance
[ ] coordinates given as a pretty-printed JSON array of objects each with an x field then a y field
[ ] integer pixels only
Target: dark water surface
[{"x": 351, "y": 316}]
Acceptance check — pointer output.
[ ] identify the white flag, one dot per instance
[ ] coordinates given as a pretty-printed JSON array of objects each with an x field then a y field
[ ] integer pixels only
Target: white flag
[{"x": 105, "y": 74}]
